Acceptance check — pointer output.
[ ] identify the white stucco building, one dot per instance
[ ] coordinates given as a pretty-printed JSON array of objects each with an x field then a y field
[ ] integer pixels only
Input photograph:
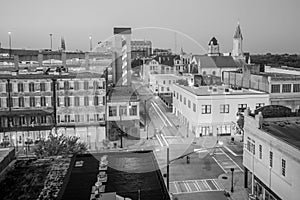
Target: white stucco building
[
  {"x": 212, "y": 110},
  {"x": 272, "y": 157}
]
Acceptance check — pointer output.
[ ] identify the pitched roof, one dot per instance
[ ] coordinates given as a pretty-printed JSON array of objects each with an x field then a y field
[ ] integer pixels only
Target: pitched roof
[
  {"x": 238, "y": 32},
  {"x": 217, "y": 61},
  {"x": 214, "y": 41},
  {"x": 166, "y": 59}
]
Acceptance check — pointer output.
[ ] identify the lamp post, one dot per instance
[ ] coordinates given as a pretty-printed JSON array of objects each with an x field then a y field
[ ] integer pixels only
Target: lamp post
[
  {"x": 145, "y": 109},
  {"x": 90, "y": 37},
  {"x": 51, "y": 41},
  {"x": 232, "y": 170},
  {"x": 9, "y": 41}
]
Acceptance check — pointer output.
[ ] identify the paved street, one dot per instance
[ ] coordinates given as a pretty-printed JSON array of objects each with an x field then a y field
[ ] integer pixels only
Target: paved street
[{"x": 201, "y": 178}]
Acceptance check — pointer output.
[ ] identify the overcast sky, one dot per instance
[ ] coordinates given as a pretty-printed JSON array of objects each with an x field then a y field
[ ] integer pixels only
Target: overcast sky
[{"x": 267, "y": 25}]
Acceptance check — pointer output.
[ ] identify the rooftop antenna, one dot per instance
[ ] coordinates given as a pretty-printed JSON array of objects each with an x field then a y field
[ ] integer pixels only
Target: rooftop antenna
[{"x": 175, "y": 48}]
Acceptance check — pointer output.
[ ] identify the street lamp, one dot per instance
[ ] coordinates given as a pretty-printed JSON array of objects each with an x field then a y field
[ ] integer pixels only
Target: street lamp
[
  {"x": 51, "y": 41},
  {"x": 90, "y": 42},
  {"x": 9, "y": 41}
]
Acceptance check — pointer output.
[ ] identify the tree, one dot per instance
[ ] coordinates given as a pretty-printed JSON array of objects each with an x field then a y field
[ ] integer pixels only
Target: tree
[{"x": 59, "y": 145}]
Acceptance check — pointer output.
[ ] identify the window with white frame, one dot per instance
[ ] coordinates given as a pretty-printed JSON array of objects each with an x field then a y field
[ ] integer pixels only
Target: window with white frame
[
  {"x": 224, "y": 129},
  {"x": 194, "y": 107},
  {"x": 271, "y": 159},
  {"x": 250, "y": 145},
  {"x": 133, "y": 110},
  {"x": 242, "y": 107},
  {"x": 296, "y": 87},
  {"x": 275, "y": 88},
  {"x": 112, "y": 111},
  {"x": 224, "y": 108},
  {"x": 260, "y": 151},
  {"x": 206, "y": 109},
  {"x": 123, "y": 110},
  {"x": 189, "y": 103},
  {"x": 283, "y": 167},
  {"x": 258, "y": 105},
  {"x": 206, "y": 130},
  {"x": 286, "y": 88}
]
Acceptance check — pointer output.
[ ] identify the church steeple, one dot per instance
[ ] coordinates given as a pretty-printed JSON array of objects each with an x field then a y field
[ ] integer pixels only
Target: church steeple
[
  {"x": 238, "y": 32},
  {"x": 237, "y": 50}
]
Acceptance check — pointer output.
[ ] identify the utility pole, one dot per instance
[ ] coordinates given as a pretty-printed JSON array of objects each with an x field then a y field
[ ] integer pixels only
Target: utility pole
[
  {"x": 51, "y": 41},
  {"x": 232, "y": 170},
  {"x": 168, "y": 168},
  {"x": 9, "y": 38}
]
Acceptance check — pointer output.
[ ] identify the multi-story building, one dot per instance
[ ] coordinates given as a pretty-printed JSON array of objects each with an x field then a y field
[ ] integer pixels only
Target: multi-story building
[
  {"x": 141, "y": 48},
  {"x": 162, "y": 52},
  {"x": 170, "y": 64},
  {"x": 34, "y": 105},
  {"x": 283, "y": 88},
  {"x": 122, "y": 100},
  {"x": 271, "y": 153},
  {"x": 161, "y": 84},
  {"x": 81, "y": 107},
  {"x": 209, "y": 110},
  {"x": 123, "y": 115}
]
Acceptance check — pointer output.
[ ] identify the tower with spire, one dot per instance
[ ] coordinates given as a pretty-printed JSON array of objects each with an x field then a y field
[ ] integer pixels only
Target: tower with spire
[{"x": 237, "y": 50}]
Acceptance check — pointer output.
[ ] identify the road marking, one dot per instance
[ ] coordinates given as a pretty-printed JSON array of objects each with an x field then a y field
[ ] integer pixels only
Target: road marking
[
  {"x": 206, "y": 184},
  {"x": 228, "y": 149},
  {"x": 176, "y": 187},
  {"x": 159, "y": 114},
  {"x": 187, "y": 186},
  {"x": 163, "y": 114},
  {"x": 219, "y": 164},
  {"x": 232, "y": 161},
  {"x": 214, "y": 183},
  {"x": 164, "y": 139},
  {"x": 194, "y": 186},
  {"x": 161, "y": 144},
  {"x": 200, "y": 150}
]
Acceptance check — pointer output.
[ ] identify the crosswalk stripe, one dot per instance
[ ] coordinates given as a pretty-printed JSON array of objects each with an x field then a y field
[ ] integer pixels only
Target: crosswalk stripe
[
  {"x": 193, "y": 186},
  {"x": 187, "y": 186}
]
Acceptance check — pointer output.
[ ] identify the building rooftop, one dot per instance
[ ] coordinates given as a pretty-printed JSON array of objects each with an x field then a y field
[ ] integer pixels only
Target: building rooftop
[
  {"x": 219, "y": 90},
  {"x": 286, "y": 129},
  {"x": 281, "y": 76},
  {"x": 122, "y": 93},
  {"x": 134, "y": 175},
  {"x": 216, "y": 61},
  {"x": 50, "y": 76},
  {"x": 280, "y": 122}
]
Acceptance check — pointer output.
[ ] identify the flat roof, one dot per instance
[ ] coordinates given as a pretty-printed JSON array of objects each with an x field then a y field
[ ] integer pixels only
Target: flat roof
[
  {"x": 281, "y": 76},
  {"x": 51, "y": 76},
  {"x": 285, "y": 129},
  {"x": 130, "y": 174},
  {"x": 220, "y": 90}
]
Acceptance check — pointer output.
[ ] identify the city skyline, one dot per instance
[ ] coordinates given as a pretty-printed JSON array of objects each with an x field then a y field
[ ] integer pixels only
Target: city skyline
[{"x": 268, "y": 26}]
